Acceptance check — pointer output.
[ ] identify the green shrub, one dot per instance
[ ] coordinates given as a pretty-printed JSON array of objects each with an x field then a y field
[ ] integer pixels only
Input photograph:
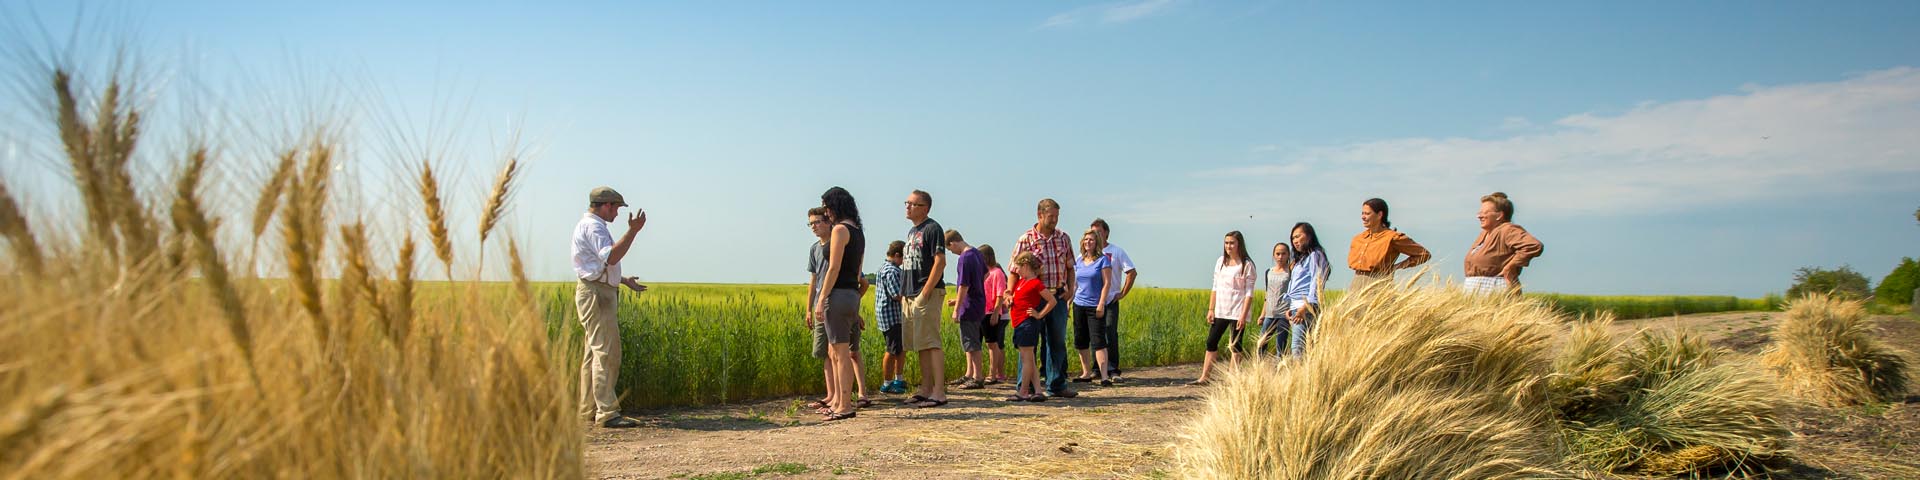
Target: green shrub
[
  {"x": 1842, "y": 282},
  {"x": 1897, "y": 288}
]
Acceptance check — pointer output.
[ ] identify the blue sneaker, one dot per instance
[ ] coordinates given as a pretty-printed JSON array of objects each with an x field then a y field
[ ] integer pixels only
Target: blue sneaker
[
  {"x": 899, "y": 387},
  {"x": 887, "y": 387}
]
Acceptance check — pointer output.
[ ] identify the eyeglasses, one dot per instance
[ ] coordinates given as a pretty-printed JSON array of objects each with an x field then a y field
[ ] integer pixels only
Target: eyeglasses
[
  {"x": 915, "y": 204},
  {"x": 811, "y": 223}
]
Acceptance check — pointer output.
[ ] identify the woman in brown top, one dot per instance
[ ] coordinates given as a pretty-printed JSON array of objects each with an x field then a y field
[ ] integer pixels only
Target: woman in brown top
[
  {"x": 1495, "y": 260},
  {"x": 1374, "y": 252}
]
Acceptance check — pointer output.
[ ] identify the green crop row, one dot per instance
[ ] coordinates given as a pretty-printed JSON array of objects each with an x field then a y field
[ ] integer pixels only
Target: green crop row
[{"x": 694, "y": 344}]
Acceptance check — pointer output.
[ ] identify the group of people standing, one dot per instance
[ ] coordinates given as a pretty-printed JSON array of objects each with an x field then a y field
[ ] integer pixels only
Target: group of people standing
[
  {"x": 1300, "y": 270},
  {"x": 1032, "y": 300},
  {"x": 1046, "y": 290}
]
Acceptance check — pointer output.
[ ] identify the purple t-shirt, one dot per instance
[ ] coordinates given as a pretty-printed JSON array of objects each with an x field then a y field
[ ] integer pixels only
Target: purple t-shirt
[{"x": 973, "y": 275}]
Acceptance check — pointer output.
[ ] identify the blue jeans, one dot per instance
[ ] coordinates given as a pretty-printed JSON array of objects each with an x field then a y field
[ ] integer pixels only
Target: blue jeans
[
  {"x": 1053, "y": 346},
  {"x": 1274, "y": 334},
  {"x": 1299, "y": 331}
]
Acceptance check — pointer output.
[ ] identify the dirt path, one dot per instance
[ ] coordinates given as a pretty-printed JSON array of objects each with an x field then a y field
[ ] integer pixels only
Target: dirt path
[{"x": 1124, "y": 431}]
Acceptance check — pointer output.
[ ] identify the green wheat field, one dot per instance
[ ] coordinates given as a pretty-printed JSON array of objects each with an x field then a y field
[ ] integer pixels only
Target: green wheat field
[{"x": 703, "y": 344}]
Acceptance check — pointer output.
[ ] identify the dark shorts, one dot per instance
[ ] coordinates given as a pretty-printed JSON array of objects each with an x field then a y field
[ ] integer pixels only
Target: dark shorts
[
  {"x": 893, "y": 341},
  {"x": 970, "y": 333},
  {"x": 992, "y": 332},
  {"x": 1028, "y": 333},
  {"x": 843, "y": 315},
  {"x": 820, "y": 340}
]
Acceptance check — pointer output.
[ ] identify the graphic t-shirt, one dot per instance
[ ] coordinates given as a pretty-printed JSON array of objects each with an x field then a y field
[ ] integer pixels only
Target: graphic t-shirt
[{"x": 925, "y": 242}]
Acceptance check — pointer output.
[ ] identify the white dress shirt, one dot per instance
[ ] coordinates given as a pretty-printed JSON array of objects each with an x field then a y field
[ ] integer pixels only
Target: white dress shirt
[{"x": 592, "y": 243}]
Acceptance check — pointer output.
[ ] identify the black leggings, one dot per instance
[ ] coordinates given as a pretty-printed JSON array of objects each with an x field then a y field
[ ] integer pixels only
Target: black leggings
[
  {"x": 1220, "y": 327},
  {"x": 1088, "y": 332}
]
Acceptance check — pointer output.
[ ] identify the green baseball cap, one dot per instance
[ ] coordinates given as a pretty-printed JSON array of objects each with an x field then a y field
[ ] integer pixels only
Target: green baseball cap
[{"x": 605, "y": 195}]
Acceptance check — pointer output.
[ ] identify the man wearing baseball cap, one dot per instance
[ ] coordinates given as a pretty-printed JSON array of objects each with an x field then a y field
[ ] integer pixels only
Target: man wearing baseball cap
[{"x": 596, "y": 262}]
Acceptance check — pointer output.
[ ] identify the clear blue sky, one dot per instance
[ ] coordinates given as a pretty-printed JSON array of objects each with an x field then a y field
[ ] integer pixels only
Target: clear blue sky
[{"x": 1655, "y": 147}]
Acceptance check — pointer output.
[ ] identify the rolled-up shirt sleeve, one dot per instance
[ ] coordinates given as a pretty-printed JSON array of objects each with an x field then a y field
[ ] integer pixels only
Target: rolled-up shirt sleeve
[
  {"x": 592, "y": 244},
  {"x": 1525, "y": 247}
]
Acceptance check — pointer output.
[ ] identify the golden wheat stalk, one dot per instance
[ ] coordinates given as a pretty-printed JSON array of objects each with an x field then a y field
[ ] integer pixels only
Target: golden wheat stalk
[
  {"x": 497, "y": 199},
  {"x": 270, "y": 195},
  {"x": 299, "y": 226},
  {"x": 518, "y": 269},
  {"x": 436, "y": 217},
  {"x": 77, "y": 139},
  {"x": 403, "y": 296},
  {"x": 190, "y": 219},
  {"x": 13, "y": 225},
  {"x": 116, "y": 131},
  {"x": 359, "y": 274}
]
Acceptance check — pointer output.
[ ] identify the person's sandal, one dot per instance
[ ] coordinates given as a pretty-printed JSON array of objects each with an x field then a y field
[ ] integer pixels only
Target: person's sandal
[
  {"x": 959, "y": 381},
  {"x": 1197, "y": 383},
  {"x": 818, "y": 404},
  {"x": 863, "y": 403},
  {"x": 1036, "y": 398},
  {"x": 974, "y": 385},
  {"x": 839, "y": 416},
  {"x": 913, "y": 400},
  {"x": 1082, "y": 379},
  {"x": 1106, "y": 383},
  {"x": 1016, "y": 398},
  {"x": 620, "y": 422},
  {"x": 930, "y": 404}
]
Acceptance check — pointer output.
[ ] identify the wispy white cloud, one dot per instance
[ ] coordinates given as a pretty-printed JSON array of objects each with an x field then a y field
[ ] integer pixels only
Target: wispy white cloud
[
  {"x": 1765, "y": 142},
  {"x": 1111, "y": 13}
]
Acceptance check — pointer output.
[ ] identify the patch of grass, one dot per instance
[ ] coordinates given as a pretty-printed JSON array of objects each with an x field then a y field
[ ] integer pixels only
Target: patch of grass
[
  {"x": 785, "y": 468},
  {"x": 721, "y": 476}
]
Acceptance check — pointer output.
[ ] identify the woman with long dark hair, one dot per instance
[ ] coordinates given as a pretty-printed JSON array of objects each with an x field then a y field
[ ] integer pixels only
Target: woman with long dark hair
[
  {"x": 1376, "y": 251},
  {"x": 840, "y": 308},
  {"x": 1309, "y": 278},
  {"x": 994, "y": 331},
  {"x": 1227, "y": 304}
]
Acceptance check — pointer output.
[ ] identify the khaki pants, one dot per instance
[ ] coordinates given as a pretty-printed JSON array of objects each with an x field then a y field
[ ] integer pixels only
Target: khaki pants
[
  {"x": 600, "y": 364},
  {"x": 1362, "y": 280},
  {"x": 920, "y": 327}
]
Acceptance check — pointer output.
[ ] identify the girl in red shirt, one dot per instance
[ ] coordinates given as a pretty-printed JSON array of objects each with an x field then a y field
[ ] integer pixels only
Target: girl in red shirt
[{"x": 1030, "y": 300}]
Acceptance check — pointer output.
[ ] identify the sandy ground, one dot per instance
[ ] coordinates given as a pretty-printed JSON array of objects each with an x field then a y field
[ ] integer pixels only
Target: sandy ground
[{"x": 1125, "y": 431}]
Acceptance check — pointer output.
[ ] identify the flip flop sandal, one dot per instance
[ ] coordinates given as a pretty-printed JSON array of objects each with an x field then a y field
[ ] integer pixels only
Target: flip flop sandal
[
  {"x": 817, "y": 404},
  {"x": 915, "y": 399},
  {"x": 863, "y": 403},
  {"x": 839, "y": 416},
  {"x": 934, "y": 403}
]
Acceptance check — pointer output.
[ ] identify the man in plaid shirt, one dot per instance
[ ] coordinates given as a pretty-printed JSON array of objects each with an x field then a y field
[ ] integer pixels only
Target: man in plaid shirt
[
  {"x": 888, "y": 290},
  {"x": 1054, "y": 248}
]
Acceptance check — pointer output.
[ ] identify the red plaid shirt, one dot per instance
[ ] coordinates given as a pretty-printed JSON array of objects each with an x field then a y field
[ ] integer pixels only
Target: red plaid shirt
[{"x": 1055, "y": 253}]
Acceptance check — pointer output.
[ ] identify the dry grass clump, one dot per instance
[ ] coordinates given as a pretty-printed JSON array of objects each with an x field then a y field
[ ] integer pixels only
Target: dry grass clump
[
  {"x": 132, "y": 351},
  {"x": 1825, "y": 352},
  {"x": 1665, "y": 404},
  {"x": 1413, "y": 383}
]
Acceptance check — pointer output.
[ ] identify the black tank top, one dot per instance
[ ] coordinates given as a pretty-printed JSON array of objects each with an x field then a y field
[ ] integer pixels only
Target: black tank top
[{"x": 850, "y": 259}]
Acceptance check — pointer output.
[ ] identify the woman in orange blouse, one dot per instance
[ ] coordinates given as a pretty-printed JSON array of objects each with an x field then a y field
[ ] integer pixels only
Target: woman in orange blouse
[{"x": 1375, "y": 252}]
